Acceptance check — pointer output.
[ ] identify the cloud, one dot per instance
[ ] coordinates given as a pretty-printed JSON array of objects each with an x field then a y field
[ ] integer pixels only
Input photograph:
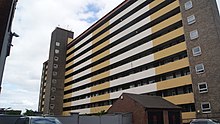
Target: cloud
[{"x": 34, "y": 21}]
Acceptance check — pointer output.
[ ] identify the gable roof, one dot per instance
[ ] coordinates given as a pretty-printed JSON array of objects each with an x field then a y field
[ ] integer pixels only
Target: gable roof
[{"x": 152, "y": 102}]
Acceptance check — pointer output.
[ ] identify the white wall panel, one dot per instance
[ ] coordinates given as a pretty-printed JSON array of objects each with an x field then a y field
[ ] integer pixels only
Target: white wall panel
[
  {"x": 142, "y": 61},
  {"x": 82, "y": 111},
  {"x": 85, "y": 72},
  {"x": 81, "y": 92},
  {"x": 133, "y": 77},
  {"x": 130, "y": 29},
  {"x": 130, "y": 18},
  {"x": 128, "y": 9},
  {"x": 83, "y": 40},
  {"x": 136, "y": 90},
  {"x": 130, "y": 40},
  {"x": 83, "y": 56},
  {"x": 120, "y": 68},
  {"x": 81, "y": 101},
  {"x": 81, "y": 65},
  {"x": 132, "y": 52},
  {"x": 83, "y": 82}
]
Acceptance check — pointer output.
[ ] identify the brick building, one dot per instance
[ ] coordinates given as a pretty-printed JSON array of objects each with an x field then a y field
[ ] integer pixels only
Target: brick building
[
  {"x": 167, "y": 48},
  {"x": 147, "y": 109}
]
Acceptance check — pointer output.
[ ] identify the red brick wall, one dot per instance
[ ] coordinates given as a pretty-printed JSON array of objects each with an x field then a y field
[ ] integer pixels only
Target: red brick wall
[{"x": 128, "y": 105}]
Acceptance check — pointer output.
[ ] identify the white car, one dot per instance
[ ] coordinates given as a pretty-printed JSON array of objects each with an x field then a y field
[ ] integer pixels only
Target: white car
[
  {"x": 204, "y": 121},
  {"x": 37, "y": 120}
]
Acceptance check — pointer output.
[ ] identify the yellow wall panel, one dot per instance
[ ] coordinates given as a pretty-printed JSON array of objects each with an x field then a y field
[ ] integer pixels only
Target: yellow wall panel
[
  {"x": 100, "y": 28},
  {"x": 100, "y": 98},
  {"x": 69, "y": 64},
  {"x": 100, "y": 55},
  {"x": 100, "y": 87},
  {"x": 100, "y": 37},
  {"x": 165, "y": 10},
  {"x": 68, "y": 104},
  {"x": 70, "y": 56},
  {"x": 181, "y": 99},
  {"x": 99, "y": 109},
  {"x": 69, "y": 72},
  {"x": 170, "y": 51},
  {"x": 104, "y": 44},
  {"x": 100, "y": 76},
  {"x": 171, "y": 35},
  {"x": 68, "y": 88},
  {"x": 187, "y": 116},
  {"x": 68, "y": 79},
  {"x": 176, "y": 82},
  {"x": 66, "y": 113},
  {"x": 69, "y": 40},
  {"x": 166, "y": 23},
  {"x": 70, "y": 49},
  {"x": 172, "y": 66},
  {"x": 67, "y": 96},
  {"x": 101, "y": 65},
  {"x": 155, "y": 3}
]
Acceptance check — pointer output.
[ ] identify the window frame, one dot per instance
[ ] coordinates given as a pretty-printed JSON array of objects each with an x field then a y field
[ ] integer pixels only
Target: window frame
[
  {"x": 204, "y": 110},
  {"x": 188, "y": 5},
  {"x": 57, "y": 43},
  {"x": 191, "y": 19},
  {"x": 200, "y": 71},
  {"x": 196, "y": 53},
  {"x": 203, "y": 90},
  {"x": 194, "y": 34}
]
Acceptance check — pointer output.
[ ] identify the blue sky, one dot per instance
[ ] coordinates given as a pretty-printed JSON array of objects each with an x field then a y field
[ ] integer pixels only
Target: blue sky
[{"x": 34, "y": 21}]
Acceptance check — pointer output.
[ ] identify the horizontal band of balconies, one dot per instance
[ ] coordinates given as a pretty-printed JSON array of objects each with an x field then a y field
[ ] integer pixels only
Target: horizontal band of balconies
[
  {"x": 107, "y": 39},
  {"x": 181, "y": 99},
  {"x": 82, "y": 68},
  {"x": 172, "y": 64},
  {"x": 158, "y": 55},
  {"x": 138, "y": 90},
  {"x": 132, "y": 8}
]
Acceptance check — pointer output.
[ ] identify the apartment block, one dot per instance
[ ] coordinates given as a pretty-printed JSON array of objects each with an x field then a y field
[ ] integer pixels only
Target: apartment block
[
  {"x": 7, "y": 9},
  {"x": 53, "y": 75},
  {"x": 43, "y": 87},
  {"x": 168, "y": 48}
]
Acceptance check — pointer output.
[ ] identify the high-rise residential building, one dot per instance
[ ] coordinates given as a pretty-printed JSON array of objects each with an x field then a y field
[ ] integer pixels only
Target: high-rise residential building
[
  {"x": 168, "y": 48},
  {"x": 7, "y": 9},
  {"x": 53, "y": 75},
  {"x": 43, "y": 87}
]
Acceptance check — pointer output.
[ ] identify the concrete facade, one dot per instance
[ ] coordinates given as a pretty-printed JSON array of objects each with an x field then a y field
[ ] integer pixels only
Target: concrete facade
[
  {"x": 207, "y": 23},
  {"x": 53, "y": 100}
]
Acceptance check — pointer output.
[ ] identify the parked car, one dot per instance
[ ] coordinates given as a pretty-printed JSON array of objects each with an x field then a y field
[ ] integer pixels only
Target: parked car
[
  {"x": 204, "y": 121},
  {"x": 37, "y": 120}
]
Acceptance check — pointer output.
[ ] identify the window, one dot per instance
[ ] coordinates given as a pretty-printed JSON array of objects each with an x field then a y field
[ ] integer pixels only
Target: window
[
  {"x": 57, "y": 51},
  {"x": 196, "y": 51},
  {"x": 52, "y": 106},
  {"x": 200, "y": 68},
  {"x": 191, "y": 19},
  {"x": 55, "y": 65},
  {"x": 188, "y": 5},
  {"x": 206, "y": 107},
  {"x": 53, "y": 89},
  {"x": 56, "y": 58},
  {"x": 52, "y": 97},
  {"x": 54, "y": 73},
  {"x": 203, "y": 87},
  {"x": 57, "y": 43},
  {"x": 194, "y": 34},
  {"x": 54, "y": 81}
]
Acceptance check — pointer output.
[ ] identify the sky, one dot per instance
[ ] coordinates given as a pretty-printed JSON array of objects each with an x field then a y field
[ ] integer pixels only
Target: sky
[{"x": 34, "y": 21}]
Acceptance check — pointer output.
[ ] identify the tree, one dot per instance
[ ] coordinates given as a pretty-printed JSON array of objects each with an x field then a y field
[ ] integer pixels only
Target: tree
[{"x": 29, "y": 112}]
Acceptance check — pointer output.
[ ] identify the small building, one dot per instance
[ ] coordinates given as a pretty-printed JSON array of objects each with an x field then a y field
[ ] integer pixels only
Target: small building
[{"x": 147, "y": 109}]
